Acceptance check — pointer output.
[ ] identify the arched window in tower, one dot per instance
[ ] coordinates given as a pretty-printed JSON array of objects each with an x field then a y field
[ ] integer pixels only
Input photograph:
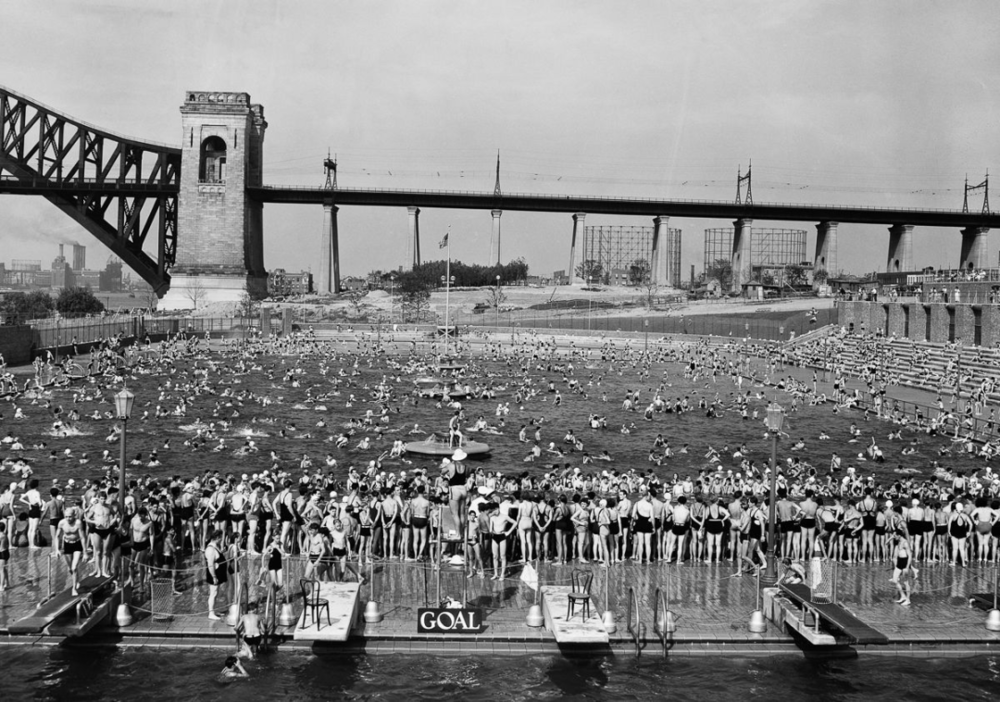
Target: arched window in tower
[{"x": 213, "y": 161}]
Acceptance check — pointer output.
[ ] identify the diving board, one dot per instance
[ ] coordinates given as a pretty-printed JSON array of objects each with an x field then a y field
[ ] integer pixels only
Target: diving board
[
  {"x": 856, "y": 631},
  {"x": 60, "y": 604},
  {"x": 344, "y": 599},
  {"x": 555, "y": 608},
  {"x": 783, "y": 612}
]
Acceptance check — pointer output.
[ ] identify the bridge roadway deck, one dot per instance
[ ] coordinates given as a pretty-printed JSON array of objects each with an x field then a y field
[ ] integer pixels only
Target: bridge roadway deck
[
  {"x": 704, "y": 209},
  {"x": 712, "y": 608},
  {"x": 699, "y": 209}
]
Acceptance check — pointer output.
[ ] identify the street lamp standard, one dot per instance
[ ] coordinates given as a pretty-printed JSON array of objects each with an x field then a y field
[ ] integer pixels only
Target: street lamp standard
[
  {"x": 392, "y": 300},
  {"x": 775, "y": 420},
  {"x": 497, "y": 300},
  {"x": 124, "y": 400}
]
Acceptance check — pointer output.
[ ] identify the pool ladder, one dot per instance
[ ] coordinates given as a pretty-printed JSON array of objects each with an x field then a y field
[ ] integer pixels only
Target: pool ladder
[
  {"x": 636, "y": 628},
  {"x": 664, "y": 622}
]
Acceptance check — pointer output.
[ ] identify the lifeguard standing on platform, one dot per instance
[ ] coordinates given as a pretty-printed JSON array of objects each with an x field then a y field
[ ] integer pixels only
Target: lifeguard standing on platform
[
  {"x": 458, "y": 493},
  {"x": 455, "y": 437}
]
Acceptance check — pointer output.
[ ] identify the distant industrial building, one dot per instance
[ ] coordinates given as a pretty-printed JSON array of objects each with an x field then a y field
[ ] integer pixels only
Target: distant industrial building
[
  {"x": 110, "y": 279},
  {"x": 614, "y": 249},
  {"x": 352, "y": 283},
  {"x": 79, "y": 257},
  {"x": 280, "y": 282},
  {"x": 771, "y": 251},
  {"x": 62, "y": 273}
]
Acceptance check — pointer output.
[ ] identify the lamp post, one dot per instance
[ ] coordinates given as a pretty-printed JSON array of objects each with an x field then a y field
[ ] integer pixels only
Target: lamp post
[
  {"x": 123, "y": 407},
  {"x": 497, "y": 325},
  {"x": 775, "y": 419},
  {"x": 590, "y": 301},
  {"x": 392, "y": 300}
]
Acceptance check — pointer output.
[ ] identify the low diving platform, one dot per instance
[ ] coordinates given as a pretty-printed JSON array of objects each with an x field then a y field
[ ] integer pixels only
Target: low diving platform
[
  {"x": 575, "y": 630},
  {"x": 344, "y": 609}
]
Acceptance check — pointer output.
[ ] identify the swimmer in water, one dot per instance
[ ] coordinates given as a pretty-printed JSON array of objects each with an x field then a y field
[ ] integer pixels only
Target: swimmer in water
[{"x": 233, "y": 669}]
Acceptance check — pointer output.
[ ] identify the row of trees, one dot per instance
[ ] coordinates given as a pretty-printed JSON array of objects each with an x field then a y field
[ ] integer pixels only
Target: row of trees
[
  {"x": 430, "y": 275},
  {"x": 38, "y": 304},
  {"x": 413, "y": 287},
  {"x": 592, "y": 271}
]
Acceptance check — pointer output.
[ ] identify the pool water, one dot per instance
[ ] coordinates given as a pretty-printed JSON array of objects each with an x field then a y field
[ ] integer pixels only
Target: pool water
[
  {"x": 293, "y": 411},
  {"x": 141, "y": 674}
]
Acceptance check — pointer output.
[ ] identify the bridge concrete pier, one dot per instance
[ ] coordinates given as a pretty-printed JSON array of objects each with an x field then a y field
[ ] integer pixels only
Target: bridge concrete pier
[
  {"x": 414, "y": 220},
  {"x": 742, "y": 261},
  {"x": 826, "y": 247},
  {"x": 659, "y": 271},
  {"x": 323, "y": 279},
  {"x": 220, "y": 247},
  {"x": 974, "y": 241},
  {"x": 329, "y": 255},
  {"x": 900, "y": 248},
  {"x": 495, "y": 238},
  {"x": 578, "y": 221}
]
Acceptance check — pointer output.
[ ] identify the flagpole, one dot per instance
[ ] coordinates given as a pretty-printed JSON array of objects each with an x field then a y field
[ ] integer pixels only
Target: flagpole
[{"x": 447, "y": 292}]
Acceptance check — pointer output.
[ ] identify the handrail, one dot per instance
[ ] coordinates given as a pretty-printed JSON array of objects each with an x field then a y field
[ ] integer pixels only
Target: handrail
[
  {"x": 663, "y": 619},
  {"x": 659, "y": 610},
  {"x": 268, "y": 620},
  {"x": 634, "y": 629},
  {"x": 84, "y": 608}
]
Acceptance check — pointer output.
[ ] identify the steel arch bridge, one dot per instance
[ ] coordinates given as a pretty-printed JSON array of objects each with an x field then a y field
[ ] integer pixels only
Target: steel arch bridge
[{"x": 119, "y": 189}]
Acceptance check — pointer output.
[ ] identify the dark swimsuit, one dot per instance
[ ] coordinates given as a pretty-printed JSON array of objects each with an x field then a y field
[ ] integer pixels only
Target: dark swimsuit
[
  {"x": 221, "y": 575},
  {"x": 643, "y": 524}
]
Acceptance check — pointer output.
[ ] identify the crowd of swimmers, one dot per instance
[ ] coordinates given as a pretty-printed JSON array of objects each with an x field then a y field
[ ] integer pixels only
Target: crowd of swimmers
[{"x": 580, "y": 506}]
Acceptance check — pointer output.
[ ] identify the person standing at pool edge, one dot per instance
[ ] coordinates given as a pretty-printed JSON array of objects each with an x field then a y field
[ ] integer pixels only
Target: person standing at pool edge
[{"x": 215, "y": 571}]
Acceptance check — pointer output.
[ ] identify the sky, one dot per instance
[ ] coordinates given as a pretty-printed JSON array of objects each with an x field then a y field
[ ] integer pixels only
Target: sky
[{"x": 888, "y": 103}]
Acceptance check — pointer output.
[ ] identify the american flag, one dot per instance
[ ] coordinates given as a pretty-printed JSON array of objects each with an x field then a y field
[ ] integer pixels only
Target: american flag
[{"x": 444, "y": 242}]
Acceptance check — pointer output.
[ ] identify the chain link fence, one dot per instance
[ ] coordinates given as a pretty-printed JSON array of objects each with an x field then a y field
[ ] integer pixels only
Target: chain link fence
[{"x": 743, "y": 325}]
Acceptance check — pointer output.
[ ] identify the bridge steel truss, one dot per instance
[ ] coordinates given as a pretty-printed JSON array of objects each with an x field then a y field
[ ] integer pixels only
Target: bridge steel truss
[{"x": 119, "y": 189}]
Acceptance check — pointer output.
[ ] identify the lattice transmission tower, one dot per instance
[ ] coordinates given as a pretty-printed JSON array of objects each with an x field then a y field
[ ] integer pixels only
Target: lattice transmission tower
[{"x": 984, "y": 186}]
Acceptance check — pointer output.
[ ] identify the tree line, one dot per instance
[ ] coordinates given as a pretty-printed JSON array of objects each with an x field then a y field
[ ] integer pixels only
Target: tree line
[{"x": 18, "y": 307}]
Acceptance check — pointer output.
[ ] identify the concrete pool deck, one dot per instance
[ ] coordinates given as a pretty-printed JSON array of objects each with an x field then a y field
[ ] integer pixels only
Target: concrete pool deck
[{"x": 711, "y": 607}]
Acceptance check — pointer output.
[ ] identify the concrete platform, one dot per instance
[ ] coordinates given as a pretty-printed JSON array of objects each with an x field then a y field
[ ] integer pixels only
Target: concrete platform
[
  {"x": 344, "y": 601},
  {"x": 713, "y": 607},
  {"x": 575, "y": 630}
]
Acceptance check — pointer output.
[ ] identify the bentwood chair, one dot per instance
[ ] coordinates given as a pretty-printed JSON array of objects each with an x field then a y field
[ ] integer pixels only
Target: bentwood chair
[
  {"x": 313, "y": 604},
  {"x": 579, "y": 594}
]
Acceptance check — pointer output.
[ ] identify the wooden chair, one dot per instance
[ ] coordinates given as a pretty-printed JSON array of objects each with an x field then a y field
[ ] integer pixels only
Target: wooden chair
[
  {"x": 312, "y": 604},
  {"x": 580, "y": 593}
]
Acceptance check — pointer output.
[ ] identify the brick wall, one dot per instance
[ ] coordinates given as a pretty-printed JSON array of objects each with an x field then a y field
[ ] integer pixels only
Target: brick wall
[
  {"x": 896, "y": 316},
  {"x": 946, "y": 322}
]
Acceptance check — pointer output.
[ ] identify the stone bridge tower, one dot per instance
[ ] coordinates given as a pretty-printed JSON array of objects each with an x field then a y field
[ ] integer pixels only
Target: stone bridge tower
[{"x": 220, "y": 247}]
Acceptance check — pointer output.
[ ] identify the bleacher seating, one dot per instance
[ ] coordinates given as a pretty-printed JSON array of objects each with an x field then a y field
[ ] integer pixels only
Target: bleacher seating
[{"x": 935, "y": 367}]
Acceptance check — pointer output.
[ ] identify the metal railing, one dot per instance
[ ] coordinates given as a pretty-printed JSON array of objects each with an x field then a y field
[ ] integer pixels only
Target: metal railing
[
  {"x": 610, "y": 198},
  {"x": 634, "y": 625},
  {"x": 664, "y": 621}
]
